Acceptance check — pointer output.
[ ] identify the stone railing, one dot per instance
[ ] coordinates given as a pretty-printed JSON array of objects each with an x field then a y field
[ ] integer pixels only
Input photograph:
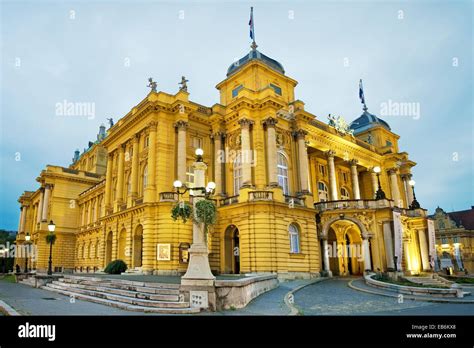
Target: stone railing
[
  {"x": 229, "y": 200},
  {"x": 295, "y": 199},
  {"x": 168, "y": 197},
  {"x": 260, "y": 196},
  {"x": 354, "y": 204},
  {"x": 139, "y": 201},
  {"x": 122, "y": 206}
]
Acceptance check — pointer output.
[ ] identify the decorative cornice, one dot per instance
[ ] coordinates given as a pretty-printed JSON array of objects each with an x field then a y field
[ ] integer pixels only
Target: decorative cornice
[
  {"x": 181, "y": 125},
  {"x": 270, "y": 122},
  {"x": 245, "y": 123},
  {"x": 353, "y": 162},
  {"x": 300, "y": 134},
  {"x": 330, "y": 153}
]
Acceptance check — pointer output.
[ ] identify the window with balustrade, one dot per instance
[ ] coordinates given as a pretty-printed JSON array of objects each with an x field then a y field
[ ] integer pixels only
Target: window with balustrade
[
  {"x": 345, "y": 194},
  {"x": 323, "y": 192}
]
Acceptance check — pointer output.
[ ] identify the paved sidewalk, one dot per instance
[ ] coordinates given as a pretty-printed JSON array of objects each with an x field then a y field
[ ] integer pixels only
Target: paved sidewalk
[
  {"x": 334, "y": 297},
  {"x": 30, "y": 301}
]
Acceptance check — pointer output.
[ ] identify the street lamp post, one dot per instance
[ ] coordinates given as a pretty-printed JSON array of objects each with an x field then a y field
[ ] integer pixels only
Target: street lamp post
[
  {"x": 379, "y": 194},
  {"x": 51, "y": 228},
  {"x": 27, "y": 242},
  {"x": 199, "y": 273},
  {"x": 414, "y": 204}
]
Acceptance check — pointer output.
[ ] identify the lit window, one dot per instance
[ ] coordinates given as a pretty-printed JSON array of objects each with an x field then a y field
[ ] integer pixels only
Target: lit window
[
  {"x": 236, "y": 90},
  {"x": 190, "y": 176},
  {"x": 275, "y": 88},
  {"x": 282, "y": 168},
  {"x": 323, "y": 192},
  {"x": 345, "y": 194},
  {"x": 294, "y": 239}
]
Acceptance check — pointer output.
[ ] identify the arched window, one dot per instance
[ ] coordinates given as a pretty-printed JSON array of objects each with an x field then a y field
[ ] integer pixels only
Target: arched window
[
  {"x": 91, "y": 250},
  {"x": 323, "y": 192},
  {"x": 345, "y": 194},
  {"x": 294, "y": 239},
  {"x": 237, "y": 175},
  {"x": 282, "y": 166},
  {"x": 84, "y": 251},
  {"x": 145, "y": 178}
]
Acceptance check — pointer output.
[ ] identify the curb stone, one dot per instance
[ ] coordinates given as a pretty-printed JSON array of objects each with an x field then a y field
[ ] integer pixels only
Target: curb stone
[
  {"x": 7, "y": 309},
  {"x": 408, "y": 297},
  {"x": 291, "y": 306}
]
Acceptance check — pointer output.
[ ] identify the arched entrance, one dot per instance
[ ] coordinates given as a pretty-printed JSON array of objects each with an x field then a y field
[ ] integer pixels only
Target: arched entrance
[
  {"x": 344, "y": 238},
  {"x": 138, "y": 246},
  {"x": 231, "y": 250},
  {"x": 122, "y": 240},
  {"x": 108, "y": 248}
]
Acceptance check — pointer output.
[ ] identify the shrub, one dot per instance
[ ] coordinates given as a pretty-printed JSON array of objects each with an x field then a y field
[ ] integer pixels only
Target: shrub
[
  {"x": 116, "y": 267},
  {"x": 181, "y": 210}
]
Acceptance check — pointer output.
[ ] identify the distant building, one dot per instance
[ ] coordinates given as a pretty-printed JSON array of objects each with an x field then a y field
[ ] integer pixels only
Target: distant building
[{"x": 455, "y": 239}]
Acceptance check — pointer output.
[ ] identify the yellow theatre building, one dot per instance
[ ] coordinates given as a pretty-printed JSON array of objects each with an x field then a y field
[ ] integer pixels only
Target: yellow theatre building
[{"x": 295, "y": 194}]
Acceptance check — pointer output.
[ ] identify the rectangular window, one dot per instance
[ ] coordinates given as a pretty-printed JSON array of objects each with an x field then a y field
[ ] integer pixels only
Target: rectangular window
[
  {"x": 322, "y": 169},
  {"x": 275, "y": 88},
  {"x": 235, "y": 91},
  {"x": 196, "y": 142},
  {"x": 147, "y": 142},
  {"x": 344, "y": 177}
]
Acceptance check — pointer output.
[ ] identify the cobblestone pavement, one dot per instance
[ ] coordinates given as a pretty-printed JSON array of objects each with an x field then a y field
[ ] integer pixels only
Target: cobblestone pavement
[{"x": 334, "y": 297}]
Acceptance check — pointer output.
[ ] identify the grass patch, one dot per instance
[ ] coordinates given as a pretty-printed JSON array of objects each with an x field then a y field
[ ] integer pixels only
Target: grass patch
[
  {"x": 9, "y": 278},
  {"x": 460, "y": 280},
  {"x": 404, "y": 282}
]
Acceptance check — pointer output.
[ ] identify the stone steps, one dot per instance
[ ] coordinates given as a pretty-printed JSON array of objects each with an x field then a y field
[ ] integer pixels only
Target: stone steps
[
  {"x": 172, "y": 295},
  {"x": 427, "y": 281},
  {"x": 121, "y": 298},
  {"x": 120, "y": 286},
  {"x": 125, "y": 306},
  {"x": 125, "y": 294}
]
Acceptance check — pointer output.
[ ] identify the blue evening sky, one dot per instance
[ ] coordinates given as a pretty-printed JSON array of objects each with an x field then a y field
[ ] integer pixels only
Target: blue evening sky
[{"x": 103, "y": 52}]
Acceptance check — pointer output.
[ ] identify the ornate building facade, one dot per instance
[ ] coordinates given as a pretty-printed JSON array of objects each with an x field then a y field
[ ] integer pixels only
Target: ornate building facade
[
  {"x": 291, "y": 190},
  {"x": 455, "y": 239}
]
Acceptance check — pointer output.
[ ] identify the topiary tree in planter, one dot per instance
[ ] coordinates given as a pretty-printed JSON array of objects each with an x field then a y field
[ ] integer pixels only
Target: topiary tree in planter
[{"x": 116, "y": 267}]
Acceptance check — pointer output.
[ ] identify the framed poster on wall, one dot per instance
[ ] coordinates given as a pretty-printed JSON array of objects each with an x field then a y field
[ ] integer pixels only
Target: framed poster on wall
[{"x": 163, "y": 252}]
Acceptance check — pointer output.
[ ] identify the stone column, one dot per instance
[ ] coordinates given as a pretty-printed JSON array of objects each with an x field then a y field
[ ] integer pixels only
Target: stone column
[
  {"x": 47, "y": 195},
  {"x": 332, "y": 175},
  {"x": 394, "y": 186},
  {"x": 270, "y": 123},
  {"x": 355, "y": 179},
  {"x": 387, "y": 236},
  {"x": 406, "y": 253},
  {"x": 326, "y": 257},
  {"x": 181, "y": 149},
  {"x": 246, "y": 155},
  {"x": 425, "y": 257},
  {"x": 366, "y": 251},
  {"x": 23, "y": 213},
  {"x": 303, "y": 163},
  {"x": 120, "y": 174},
  {"x": 150, "y": 190},
  {"x": 375, "y": 185},
  {"x": 108, "y": 182},
  {"x": 134, "y": 172},
  {"x": 408, "y": 189},
  {"x": 219, "y": 159},
  {"x": 39, "y": 212}
]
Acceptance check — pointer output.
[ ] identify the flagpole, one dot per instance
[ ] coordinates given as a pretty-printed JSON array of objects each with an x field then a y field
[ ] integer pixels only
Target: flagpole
[{"x": 252, "y": 30}]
